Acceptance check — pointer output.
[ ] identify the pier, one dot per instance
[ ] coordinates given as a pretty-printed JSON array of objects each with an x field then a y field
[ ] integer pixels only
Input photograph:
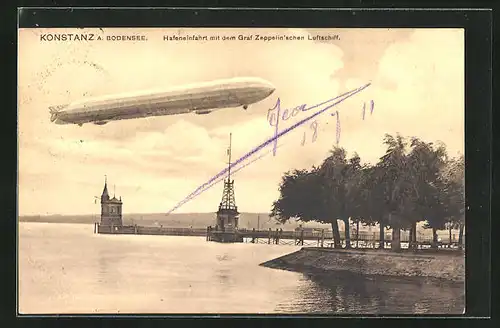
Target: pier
[
  {"x": 142, "y": 230},
  {"x": 227, "y": 230},
  {"x": 242, "y": 235},
  {"x": 319, "y": 238}
]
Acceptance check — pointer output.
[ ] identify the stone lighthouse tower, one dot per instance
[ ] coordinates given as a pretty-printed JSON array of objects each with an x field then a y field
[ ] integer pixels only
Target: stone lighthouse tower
[{"x": 111, "y": 208}]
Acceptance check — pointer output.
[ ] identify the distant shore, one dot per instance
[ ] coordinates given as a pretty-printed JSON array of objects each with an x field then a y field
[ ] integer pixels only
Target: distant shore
[
  {"x": 441, "y": 265},
  {"x": 174, "y": 220}
]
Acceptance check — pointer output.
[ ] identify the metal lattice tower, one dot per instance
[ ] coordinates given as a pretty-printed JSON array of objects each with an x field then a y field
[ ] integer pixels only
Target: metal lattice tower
[{"x": 228, "y": 201}]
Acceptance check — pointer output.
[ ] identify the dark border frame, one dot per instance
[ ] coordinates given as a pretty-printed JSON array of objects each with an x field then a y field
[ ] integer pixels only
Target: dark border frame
[{"x": 478, "y": 87}]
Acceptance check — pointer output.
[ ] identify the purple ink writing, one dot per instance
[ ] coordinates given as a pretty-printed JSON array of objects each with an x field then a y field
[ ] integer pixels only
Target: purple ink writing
[
  {"x": 329, "y": 104},
  {"x": 337, "y": 129},
  {"x": 213, "y": 183},
  {"x": 314, "y": 128},
  {"x": 274, "y": 117},
  {"x": 372, "y": 105}
]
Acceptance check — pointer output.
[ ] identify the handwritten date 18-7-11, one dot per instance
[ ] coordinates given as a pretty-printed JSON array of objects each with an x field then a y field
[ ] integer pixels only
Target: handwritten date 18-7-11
[{"x": 274, "y": 116}]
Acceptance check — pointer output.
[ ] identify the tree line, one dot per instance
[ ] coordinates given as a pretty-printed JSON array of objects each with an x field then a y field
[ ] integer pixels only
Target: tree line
[{"x": 413, "y": 181}]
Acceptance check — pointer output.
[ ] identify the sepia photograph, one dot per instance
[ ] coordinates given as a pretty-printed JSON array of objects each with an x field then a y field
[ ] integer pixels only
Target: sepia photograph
[{"x": 241, "y": 171}]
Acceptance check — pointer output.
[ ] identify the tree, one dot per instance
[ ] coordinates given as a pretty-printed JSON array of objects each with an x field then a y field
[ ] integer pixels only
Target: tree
[
  {"x": 427, "y": 162},
  {"x": 303, "y": 195},
  {"x": 414, "y": 181},
  {"x": 373, "y": 200},
  {"x": 435, "y": 212},
  {"x": 354, "y": 193},
  {"x": 324, "y": 194},
  {"x": 331, "y": 174},
  {"x": 291, "y": 201},
  {"x": 441, "y": 199},
  {"x": 397, "y": 179},
  {"x": 459, "y": 196},
  {"x": 453, "y": 194},
  {"x": 342, "y": 178}
]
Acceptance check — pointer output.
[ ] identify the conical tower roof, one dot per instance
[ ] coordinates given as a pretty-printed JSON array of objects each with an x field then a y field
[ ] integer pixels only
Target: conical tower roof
[{"x": 105, "y": 193}]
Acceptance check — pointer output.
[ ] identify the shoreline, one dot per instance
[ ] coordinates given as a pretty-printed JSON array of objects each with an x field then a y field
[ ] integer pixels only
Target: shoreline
[{"x": 442, "y": 266}]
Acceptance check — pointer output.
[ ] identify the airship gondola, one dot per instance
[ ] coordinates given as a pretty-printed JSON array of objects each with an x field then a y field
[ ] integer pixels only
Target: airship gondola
[{"x": 202, "y": 98}]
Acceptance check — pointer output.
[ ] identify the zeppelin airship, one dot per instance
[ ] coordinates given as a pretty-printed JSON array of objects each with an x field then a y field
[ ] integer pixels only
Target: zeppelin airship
[{"x": 202, "y": 98}]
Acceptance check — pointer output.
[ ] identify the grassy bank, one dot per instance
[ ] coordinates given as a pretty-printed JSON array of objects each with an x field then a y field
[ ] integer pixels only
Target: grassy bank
[{"x": 441, "y": 265}]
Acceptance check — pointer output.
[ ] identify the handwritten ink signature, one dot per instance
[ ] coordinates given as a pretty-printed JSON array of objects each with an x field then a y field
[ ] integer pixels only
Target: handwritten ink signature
[
  {"x": 274, "y": 117},
  {"x": 274, "y": 139}
]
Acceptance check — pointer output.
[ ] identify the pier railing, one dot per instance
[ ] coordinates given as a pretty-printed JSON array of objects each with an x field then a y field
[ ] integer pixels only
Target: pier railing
[
  {"x": 297, "y": 237},
  {"x": 153, "y": 230}
]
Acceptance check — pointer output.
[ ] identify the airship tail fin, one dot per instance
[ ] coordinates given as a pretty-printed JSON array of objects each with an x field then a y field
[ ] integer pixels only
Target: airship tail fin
[{"x": 54, "y": 110}]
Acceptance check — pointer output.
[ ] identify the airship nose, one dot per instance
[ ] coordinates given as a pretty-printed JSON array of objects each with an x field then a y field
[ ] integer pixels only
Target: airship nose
[{"x": 269, "y": 87}]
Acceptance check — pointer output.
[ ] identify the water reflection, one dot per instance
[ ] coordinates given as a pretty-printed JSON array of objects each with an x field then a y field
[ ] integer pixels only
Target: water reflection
[
  {"x": 108, "y": 273},
  {"x": 347, "y": 294},
  {"x": 224, "y": 277}
]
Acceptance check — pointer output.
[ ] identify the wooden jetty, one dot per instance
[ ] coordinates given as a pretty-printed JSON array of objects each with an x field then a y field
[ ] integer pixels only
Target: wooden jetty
[
  {"x": 254, "y": 236},
  {"x": 299, "y": 237},
  {"x": 153, "y": 230},
  {"x": 251, "y": 236}
]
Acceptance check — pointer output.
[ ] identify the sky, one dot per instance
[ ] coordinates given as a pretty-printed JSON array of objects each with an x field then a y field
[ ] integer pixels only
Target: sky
[{"x": 417, "y": 88}]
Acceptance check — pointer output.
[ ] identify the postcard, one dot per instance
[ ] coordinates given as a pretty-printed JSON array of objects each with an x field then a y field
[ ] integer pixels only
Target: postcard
[{"x": 241, "y": 170}]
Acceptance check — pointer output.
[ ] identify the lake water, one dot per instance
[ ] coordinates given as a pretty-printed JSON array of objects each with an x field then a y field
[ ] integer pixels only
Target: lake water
[{"x": 66, "y": 269}]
